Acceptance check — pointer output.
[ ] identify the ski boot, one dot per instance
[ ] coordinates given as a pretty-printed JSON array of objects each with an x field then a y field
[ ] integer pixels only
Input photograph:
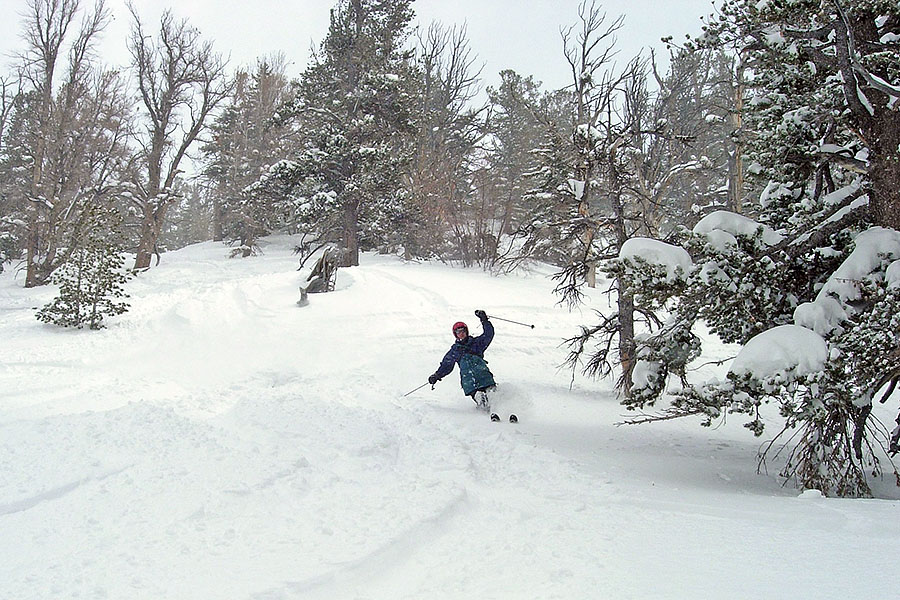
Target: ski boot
[{"x": 482, "y": 401}]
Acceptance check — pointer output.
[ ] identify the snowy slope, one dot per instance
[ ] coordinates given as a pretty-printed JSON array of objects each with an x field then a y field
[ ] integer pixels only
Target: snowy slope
[{"x": 218, "y": 442}]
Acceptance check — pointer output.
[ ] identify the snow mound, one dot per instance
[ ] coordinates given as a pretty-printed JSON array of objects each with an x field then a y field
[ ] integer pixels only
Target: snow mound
[
  {"x": 865, "y": 258},
  {"x": 825, "y": 314},
  {"x": 671, "y": 258},
  {"x": 734, "y": 224},
  {"x": 822, "y": 316},
  {"x": 811, "y": 495},
  {"x": 892, "y": 275},
  {"x": 781, "y": 349}
]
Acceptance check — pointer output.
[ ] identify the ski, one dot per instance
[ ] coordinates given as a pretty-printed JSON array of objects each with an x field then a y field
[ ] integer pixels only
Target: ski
[
  {"x": 496, "y": 418},
  {"x": 483, "y": 402}
]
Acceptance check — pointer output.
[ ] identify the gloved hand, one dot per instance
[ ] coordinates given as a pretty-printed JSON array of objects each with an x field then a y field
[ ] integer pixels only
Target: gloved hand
[
  {"x": 432, "y": 379},
  {"x": 481, "y": 315}
]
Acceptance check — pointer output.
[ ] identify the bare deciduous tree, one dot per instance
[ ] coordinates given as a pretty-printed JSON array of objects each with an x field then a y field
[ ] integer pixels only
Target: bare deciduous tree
[
  {"x": 447, "y": 134},
  {"x": 181, "y": 80},
  {"x": 589, "y": 54},
  {"x": 63, "y": 102}
]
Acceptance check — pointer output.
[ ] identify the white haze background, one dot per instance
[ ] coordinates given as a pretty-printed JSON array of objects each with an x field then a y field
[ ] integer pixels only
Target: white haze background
[{"x": 523, "y": 35}]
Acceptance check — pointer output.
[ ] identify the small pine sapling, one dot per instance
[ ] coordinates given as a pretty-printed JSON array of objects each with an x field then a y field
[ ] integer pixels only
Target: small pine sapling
[{"x": 90, "y": 281}]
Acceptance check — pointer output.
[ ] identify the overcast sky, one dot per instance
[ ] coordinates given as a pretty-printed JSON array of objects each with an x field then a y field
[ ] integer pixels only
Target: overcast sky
[{"x": 522, "y": 35}]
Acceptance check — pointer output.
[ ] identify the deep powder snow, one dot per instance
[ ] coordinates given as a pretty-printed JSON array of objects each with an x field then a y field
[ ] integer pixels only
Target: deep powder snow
[{"x": 218, "y": 442}]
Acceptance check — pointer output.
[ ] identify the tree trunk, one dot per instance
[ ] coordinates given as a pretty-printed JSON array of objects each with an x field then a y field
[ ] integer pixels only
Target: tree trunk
[
  {"x": 145, "y": 248},
  {"x": 625, "y": 297},
  {"x": 885, "y": 197},
  {"x": 626, "y": 336},
  {"x": 151, "y": 227},
  {"x": 588, "y": 241},
  {"x": 33, "y": 276},
  {"x": 736, "y": 162},
  {"x": 885, "y": 174},
  {"x": 40, "y": 256},
  {"x": 31, "y": 271},
  {"x": 218, "y": 231},
  {"x": 351, "y": 236}
]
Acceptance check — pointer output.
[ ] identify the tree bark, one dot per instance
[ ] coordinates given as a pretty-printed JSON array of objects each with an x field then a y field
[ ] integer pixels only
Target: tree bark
[
  {"x": 218, "y": 217},
  {"x": 626, "y": 336},
  {"x": 736, "y": 162},
  {"x": 151, "y": 227},
  {"x": 351, "y": 235},
  {"x": 625, "y": 297},
  {"x": 885, "y": 173},
  {"x": 590, "y": 277}
]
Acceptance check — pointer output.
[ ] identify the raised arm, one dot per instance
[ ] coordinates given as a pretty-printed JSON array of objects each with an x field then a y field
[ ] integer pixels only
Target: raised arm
[{"x": 481, "y": 342}]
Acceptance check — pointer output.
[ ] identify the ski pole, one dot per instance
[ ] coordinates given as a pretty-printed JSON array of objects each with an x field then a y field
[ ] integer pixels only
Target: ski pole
[
  {"x": 509, "y": 321},
  {"x": 415, "y": 390}
]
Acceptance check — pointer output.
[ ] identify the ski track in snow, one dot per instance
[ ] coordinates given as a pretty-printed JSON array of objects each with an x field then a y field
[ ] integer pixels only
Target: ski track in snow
[{"x": 219, "y": 442}]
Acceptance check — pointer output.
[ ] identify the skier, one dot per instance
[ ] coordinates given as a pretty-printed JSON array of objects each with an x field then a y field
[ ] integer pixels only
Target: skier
[{"x": 474, "y": 376}]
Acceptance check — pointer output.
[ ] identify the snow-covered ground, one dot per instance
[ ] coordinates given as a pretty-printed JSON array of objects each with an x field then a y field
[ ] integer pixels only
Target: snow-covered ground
[{"x": 219, "y": 442}]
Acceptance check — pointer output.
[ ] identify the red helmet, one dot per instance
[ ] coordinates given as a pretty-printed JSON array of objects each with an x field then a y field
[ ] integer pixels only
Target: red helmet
[{"x": 459, "y": 325}]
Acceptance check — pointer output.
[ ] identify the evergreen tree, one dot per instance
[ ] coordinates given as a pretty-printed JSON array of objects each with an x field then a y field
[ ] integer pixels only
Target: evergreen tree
[
  {"x": 546, "y": 202},
  {"x": 519, "y": 111},
  {"x": 90, "y": 281},
  {"x": 580, "y": 136},
  {"x": 10, "y": 222},
  {"x": 9, "y": 241},
  {"x": 189, "y": 221},
  {"x": 699, "y": 104},
  {"x": 602, "y": 181},
  {"x": 352, "y": 114},
  {"x": 246, "y": 139}
]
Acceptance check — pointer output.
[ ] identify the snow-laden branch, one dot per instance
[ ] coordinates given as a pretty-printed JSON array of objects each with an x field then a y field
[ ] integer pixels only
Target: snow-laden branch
[{"x": 892, "y": 91}]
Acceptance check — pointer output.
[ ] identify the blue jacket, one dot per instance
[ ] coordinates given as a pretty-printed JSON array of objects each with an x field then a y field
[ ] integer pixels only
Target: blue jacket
[{"x": 474, "y": 374}]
